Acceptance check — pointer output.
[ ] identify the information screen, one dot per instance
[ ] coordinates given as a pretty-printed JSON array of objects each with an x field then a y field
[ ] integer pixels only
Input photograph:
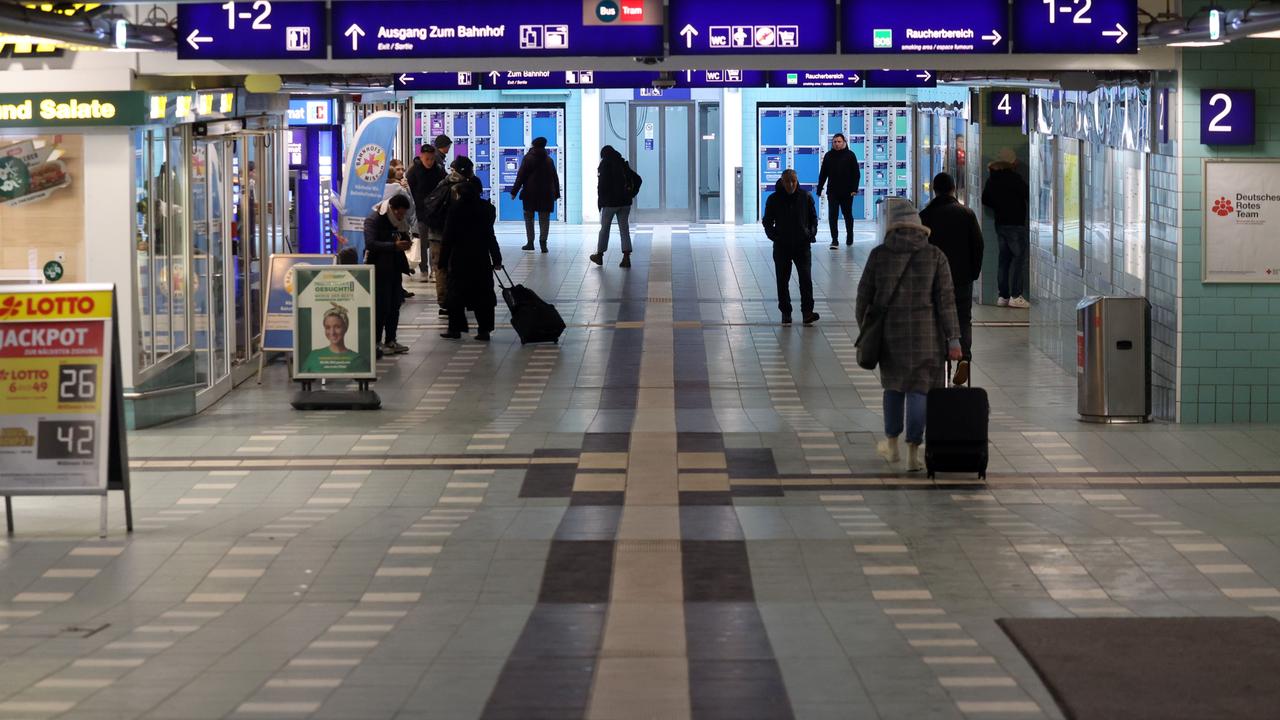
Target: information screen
[
  {"x": 253, "y": 30},
  {"x": 493, "y": 28},
  {"x": 1075, "y": 26},
  {"x": 931, "y": 26},
  {"x": 751, "y": 27},
  {"x": 55, "y": 388}
]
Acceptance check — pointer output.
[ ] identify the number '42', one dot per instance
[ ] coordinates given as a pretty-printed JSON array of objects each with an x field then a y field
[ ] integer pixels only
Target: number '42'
[
  {"x": 263, "y": 7},
  {"x": 1080, "y": 8}
]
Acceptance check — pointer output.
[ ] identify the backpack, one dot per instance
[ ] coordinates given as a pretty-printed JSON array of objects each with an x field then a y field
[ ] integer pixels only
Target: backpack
[
  {"x": 436, "y": 206},
  {"x": 633, "y": 182}
]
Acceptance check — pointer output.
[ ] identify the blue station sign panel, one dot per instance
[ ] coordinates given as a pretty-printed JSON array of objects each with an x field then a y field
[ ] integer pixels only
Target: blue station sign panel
[
  {"x": 816, "y": 78},
  {"x": 436, "y": 81},
  {"x": 1006, "y": 108},
  {"x": 928, "y": 26},
  {"x": 254, "y": 30},
  {"x": 751, "y": 27},
  {"x": 720, "y": 78},
  {"x": 1228, "y": 117},
  {"x": 1075, "y": 26},
  {"x": 565, "y": 79},
  {"x": 491, "y": 28},
  {"x": 902, "y": 79}
]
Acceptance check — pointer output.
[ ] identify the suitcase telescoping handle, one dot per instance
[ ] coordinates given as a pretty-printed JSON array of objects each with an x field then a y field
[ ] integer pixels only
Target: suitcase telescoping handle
[{"x": 510, "y": 283}]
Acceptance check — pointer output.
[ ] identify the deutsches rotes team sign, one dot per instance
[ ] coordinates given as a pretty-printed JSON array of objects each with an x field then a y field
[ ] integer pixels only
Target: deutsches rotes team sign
[{"x": 1242, "y": 221}]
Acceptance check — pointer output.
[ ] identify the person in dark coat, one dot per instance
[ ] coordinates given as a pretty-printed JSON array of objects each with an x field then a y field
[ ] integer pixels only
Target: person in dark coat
[
  {"x": 426, "y": 173},
  {"x": 471, "y": 254},
  {"x": 954, "y": 229},
  {"x": 842, "y": 177},
  {"x": 912, "y": 279},
  {"x": 617, "y": 185},
  {"x": 386, "y": 244},
  {"x": 1009, "y": 198},
  {"x": 791, "y": 222},
  {"x": 538, "y": 186}
]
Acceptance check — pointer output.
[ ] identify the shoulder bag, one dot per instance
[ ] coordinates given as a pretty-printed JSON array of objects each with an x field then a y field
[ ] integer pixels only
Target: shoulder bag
[{"x": 871, "y": 337}]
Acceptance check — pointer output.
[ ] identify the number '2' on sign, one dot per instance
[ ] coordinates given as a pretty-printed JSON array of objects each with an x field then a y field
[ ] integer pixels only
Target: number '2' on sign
[{"x": 1227, "y": 117}]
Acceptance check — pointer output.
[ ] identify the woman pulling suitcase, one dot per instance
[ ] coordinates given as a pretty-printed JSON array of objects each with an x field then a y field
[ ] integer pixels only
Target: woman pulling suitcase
[{"x": 470, "y": 253}]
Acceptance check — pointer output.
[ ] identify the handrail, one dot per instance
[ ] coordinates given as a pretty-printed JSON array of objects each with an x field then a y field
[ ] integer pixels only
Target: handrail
[{"x": 146, "y": 394}]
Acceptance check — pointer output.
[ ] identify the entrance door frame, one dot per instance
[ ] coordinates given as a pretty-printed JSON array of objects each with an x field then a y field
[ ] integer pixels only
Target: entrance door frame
[{"x": 662, "y": 214}]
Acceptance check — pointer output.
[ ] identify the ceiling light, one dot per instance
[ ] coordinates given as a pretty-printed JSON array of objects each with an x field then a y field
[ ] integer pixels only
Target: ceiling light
[{"x": 1197, "y": 43}]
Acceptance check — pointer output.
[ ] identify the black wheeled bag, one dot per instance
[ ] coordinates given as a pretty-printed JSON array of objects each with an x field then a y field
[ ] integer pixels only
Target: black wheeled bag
[
  {"x": 956, "y": 430},
  {"x": 534, "y": 319}
]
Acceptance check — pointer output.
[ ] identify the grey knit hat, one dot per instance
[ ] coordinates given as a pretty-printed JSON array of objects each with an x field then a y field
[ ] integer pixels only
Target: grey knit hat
[{"x": 899, "y": 213}]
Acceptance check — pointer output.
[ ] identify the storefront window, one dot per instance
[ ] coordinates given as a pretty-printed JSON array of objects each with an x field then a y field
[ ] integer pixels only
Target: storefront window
[
  {"x": 1042, "y": 195},
  {"x": 42, "y": 208},
  {"x": 1069, "y": 216},
  {"x": 159, "y": 246}
]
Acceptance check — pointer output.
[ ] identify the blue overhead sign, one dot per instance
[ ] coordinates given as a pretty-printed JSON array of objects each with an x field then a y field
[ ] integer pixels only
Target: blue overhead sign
[
  {"x": 303, "y": 111},
  {"x": 1075, "y": 26},
  {"x": 719, "y": 78},
  {"x": 436, "y": 81},
  {"x": 565, "y": 79},
  {"x": 1227, "y": 117},
  {"x": 491, "y": 28},
  {"x": 751, "y": 27},
  {"x": 901, "y": 79},
  {"x": 926, "y": 26},
  {"x": 1006, "y": 108},
  {"x": 255, "y": 30},
  {"x": 815, "y": 78}
]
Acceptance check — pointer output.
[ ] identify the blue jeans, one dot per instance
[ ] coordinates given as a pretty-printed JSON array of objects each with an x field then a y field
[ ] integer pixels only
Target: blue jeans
[
  {"x": 915, "y": 408},
  {"x": 607, "y": 214},
  {"x": 1014, "y": 246}
]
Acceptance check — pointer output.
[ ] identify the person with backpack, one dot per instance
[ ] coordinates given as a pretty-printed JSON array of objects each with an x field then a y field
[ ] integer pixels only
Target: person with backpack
[
  {"x": 471, "y": 254},
  {"x": 436, "y": 209},
  {"x": 538, "y": 186},
  {"x": 617, "y": 186},
  {"x": 907, "y": 282}
]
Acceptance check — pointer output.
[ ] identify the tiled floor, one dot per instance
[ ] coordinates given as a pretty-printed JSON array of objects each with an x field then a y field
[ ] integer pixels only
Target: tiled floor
[{"x": 677, "y": 512}]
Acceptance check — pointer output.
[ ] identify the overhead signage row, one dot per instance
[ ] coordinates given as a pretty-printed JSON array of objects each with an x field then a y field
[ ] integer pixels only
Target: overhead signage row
[
  {"x": 689, "y": 79},
  {"x": 371, "y": 29}
]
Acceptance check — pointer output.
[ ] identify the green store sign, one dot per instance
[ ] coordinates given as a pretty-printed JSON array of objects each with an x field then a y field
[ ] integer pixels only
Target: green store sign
[{"x": 74, "y": 109}]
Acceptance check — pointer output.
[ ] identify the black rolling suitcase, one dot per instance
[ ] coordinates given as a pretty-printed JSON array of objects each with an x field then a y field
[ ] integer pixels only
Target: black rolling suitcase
[
  {"x": 534, "y": 319},
  {"x": 956, "y": 430}
]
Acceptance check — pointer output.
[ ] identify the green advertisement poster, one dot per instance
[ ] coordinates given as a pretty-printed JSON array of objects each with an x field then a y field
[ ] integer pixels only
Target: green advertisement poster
[{"x": 333, "y": 322}]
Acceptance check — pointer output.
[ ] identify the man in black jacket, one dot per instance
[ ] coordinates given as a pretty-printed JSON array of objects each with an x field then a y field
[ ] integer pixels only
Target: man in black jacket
[
  {"x": 387, "y": 245},
  {"x": 840, "y": 168},
  {"x": 954, "y": 229},
  {"x": 1009, "y": 198},
  {"x": 426, "y": 173},
  {"x": 791, "y": 222}
]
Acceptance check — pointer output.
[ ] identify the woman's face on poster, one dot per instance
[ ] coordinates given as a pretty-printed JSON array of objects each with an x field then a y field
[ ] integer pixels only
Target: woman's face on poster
[{"x": 335, "y": 329}]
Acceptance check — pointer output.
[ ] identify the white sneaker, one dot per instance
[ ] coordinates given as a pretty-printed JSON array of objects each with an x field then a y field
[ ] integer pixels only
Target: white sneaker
[
  {"x": 1019, "y": 303},
  {"x": 915, "y": 458},
  {"x": 888, "y": 449},
  {"x": 1002, "y": 302}
]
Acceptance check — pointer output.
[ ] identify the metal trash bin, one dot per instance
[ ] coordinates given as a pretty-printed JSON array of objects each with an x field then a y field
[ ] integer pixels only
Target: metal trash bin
[{"x": 1113, "y": 359}]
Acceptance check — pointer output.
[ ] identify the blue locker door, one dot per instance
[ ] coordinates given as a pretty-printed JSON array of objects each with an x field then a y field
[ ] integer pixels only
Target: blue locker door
[
  {"x": 511, "y": 129},
  {"x": 543, "y": 124},
  {"x": 555, "y": 209},
  {"x": 509, "y": 164}
]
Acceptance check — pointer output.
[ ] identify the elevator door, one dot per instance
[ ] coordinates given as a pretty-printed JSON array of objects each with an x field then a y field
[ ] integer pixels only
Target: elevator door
[{"x": 662, "y": 148}]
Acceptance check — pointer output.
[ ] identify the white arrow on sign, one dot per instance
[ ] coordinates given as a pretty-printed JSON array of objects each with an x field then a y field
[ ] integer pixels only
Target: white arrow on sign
[
  {"x": 404, "y": 79},
  {"x": 925, "y": 75},
  {"x": 687, "y": 32},
  {"x": 354, "y": 32},
  {"x": 494, "y": 75},
  {"x": 856, "y": 78},
  {"x": 995, "y": 37},
  {"x": 195, "y": 38},
  {"x": 1119, "y": 33}
]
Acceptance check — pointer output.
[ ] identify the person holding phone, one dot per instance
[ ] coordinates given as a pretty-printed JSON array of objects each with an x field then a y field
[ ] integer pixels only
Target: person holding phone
[{"x": 387, "y": 244}]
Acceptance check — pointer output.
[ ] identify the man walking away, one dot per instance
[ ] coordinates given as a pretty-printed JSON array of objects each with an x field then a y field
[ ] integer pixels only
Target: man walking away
[
  {"x": 791, "y": 222},
  {"x": 540, "y": 183},
  {"x": 840, "y": 170},
  {"x": 1009, "y": 198},
  {"x": 423, "y": 177},
  {"x": 387, "y": 245},
  {"x": 954, "y": 229},
  {"x": 617, "y": 186}
]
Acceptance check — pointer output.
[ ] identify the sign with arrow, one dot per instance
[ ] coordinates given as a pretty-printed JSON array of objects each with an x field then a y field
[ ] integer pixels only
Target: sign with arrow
[
  {"x": 253, "y": 30},
  {"x": 1075, "y": 26},
  {"x": 901, "y": 78},
  {"x": 751, "y": 27},
  {"x": 928, "y": 26},
  {"x": 490, "y": 28},
  {"x": 815, "y": 78},
  {"x": 437, "y": 81}
]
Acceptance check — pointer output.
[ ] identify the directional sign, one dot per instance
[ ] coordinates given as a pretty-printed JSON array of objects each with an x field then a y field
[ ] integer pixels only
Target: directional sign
[
  {"x": 1227, "y": 117},
  {"x": 931, "y": 26},
  {"x": 489, "y": 28},
  {"x": 720, "y": 78},
  {"x": 252, "y": 30},
  {"x": 565, "y": 79},
  {"x": 751, "y": 27},
  {"x": 1005, "y": 108},
  {"x": 815, "y": 78},
  {"x": 437, "y": 81},
  {"x": 902, "y": 79},
  {"x": 1075, "y": 26}
]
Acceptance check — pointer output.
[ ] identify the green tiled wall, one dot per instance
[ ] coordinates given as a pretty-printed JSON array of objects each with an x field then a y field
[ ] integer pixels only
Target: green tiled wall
[{"x": 1230, "y": 332}]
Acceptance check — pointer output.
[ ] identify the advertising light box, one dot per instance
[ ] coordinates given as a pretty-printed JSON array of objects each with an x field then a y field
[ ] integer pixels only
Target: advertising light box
[
  {"x": 1075, "y": 26},
  {"x": 495, "y": 28},
  {"x": 255, "y": 30},
  {"x": 930, "y": 26},
  {"x": 751, "y": 27},
  {"x": 815, "y": 78}
]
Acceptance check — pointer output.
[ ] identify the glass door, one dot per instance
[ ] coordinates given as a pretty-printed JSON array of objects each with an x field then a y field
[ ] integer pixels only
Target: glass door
[
  {"x": 709, "y": 180},
  {"x": 662, "y": 148},
  {"x": 211, "y": 226}
]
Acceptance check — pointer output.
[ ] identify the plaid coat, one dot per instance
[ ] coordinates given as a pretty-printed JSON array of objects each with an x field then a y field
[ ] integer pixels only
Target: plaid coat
[{"x": 922, "y": 315}]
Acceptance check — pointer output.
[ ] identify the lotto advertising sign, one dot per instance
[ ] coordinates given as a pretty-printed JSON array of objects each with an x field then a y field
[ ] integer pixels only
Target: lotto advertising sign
[{"x": 55, "y": 388}]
